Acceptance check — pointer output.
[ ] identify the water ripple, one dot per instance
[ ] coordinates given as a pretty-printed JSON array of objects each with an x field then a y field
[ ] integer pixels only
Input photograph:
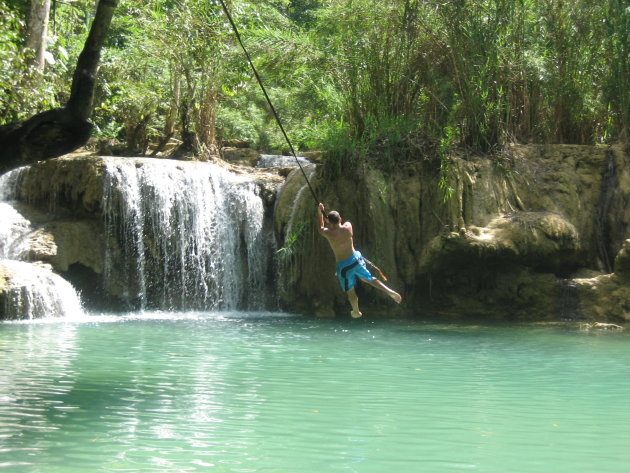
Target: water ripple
[{"x": 233, "y": 392}]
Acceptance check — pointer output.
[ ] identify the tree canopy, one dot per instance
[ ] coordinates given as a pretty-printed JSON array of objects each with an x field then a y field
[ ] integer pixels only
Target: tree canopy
[{"x": 383, "y": 81}]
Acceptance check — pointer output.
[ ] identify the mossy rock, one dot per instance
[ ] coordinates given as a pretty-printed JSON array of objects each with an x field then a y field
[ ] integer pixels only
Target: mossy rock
[{"x": 622, "y": 261}]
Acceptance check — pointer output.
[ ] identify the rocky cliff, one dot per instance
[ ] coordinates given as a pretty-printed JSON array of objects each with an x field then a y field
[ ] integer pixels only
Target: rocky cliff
[
  {"x": 539, "y": 232},
  {"x": 531, "y": 234}
]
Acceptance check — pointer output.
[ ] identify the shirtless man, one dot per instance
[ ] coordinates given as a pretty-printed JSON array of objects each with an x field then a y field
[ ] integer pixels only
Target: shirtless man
[{"x": 350, "y": 263}]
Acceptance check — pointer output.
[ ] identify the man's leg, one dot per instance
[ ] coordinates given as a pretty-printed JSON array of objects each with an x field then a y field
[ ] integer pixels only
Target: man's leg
[
  {"x": 354, "y": 302},
  {"x": 379, "y": 285}
]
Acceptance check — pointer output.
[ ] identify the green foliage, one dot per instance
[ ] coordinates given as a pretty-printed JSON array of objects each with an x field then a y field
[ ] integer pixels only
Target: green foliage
[
  {"x": 371, "y": 82},
  {"x": 284, "y": 55},
  {"x": 494, "y": 70},
  {"x": 446, "y": 144},
  {"x": 292, "y": 243},
  {"x": 615, "y": 69},
  {"x": 10, "y": 62},
  {"x": 26, "y": 91}
]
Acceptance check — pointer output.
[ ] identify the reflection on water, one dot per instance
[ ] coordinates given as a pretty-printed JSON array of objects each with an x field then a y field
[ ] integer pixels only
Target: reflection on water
[{"x": 234, "y": 392}]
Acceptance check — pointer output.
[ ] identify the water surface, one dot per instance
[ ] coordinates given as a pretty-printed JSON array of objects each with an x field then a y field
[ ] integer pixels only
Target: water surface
[{"x": 262, "y": 392}]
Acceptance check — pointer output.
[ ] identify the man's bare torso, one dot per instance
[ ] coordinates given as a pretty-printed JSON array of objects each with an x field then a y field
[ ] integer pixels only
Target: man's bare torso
[{"x": 340, "y": 239}]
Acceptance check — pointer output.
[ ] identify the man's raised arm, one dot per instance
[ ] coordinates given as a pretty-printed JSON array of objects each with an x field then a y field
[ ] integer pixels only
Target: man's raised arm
[{"x": 321, "y": 228}]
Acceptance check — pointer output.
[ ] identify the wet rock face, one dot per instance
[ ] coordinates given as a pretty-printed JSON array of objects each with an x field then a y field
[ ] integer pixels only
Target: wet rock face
[
  {"x": 51, "y": 237},
  {"x": 542, "y": 240},
  {"x": 622, "y": 261},
  {"x": 607, "y": 297},
  {"x": 507, "y": 269},
  {"x": 63, "y": 243},
  {"x": 503, "y": 245},
  {"x": 68, "y": 185},
  {"x": 240, "y": 155}
]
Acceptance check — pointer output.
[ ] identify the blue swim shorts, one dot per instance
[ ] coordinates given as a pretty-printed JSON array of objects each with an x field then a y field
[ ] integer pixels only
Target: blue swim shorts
[{"x": 351, "y": 269}]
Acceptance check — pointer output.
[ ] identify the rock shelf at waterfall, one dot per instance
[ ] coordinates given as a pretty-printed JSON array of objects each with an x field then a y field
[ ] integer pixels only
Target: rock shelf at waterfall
[
  {"x": 544, "y": 236},
  {"x": 134, "y": 233}
]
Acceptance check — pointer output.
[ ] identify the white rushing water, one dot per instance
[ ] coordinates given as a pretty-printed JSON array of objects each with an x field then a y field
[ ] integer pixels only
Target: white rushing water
[
  {"x": 31, "y": 291},
  {"x": 9, "y": 182},
  {"x": 14, "y": 232},
  {"x": 275, "y": 160},
  {"x": 179, "y": 236},
  {"x": 190, "y": 236},
  {"x": 35, "y": 291}
]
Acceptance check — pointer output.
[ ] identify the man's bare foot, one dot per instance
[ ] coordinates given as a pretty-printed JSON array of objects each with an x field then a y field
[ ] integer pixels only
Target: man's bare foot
[
  {"x": 397, "y": 297},
  {"x": 355, "y": 314}
]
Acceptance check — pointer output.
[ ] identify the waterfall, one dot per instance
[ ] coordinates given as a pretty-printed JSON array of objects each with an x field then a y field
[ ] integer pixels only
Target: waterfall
[
  {"x": 602, "y": 225},
  {"x": 31, "y": 290},
  {"x": 9, "y": 182},
  {"x": 34, "y": 291},
  {"x": 309, "y": 171},
  {"x": 14, "y": 232},
  {"x": 274, "y": 160},
  {"x": 184, "y": 236},
  {"x": 568, "y": 301}
]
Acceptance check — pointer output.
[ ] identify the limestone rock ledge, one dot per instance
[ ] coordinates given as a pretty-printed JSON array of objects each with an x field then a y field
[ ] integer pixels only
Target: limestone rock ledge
[
  {"x": 542, "y": 240},
  {"x": 506, "y": 244},
  {"x": 53, "y": 215},
  {"x": 70, "y": 185},
  {"x": 607, "y": 297}
]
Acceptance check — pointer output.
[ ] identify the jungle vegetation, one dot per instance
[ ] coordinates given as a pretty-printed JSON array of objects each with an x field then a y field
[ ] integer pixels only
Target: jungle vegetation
[{"x": 377, "y": 81}]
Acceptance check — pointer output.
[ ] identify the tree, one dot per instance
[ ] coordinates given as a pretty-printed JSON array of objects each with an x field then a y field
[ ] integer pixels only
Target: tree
[
  {"x": 61, "y": 130},
  {"x": 37, "y": 33}
]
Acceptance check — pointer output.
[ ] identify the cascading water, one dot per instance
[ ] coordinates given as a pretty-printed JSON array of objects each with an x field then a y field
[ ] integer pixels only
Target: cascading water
[
  {"x": 14, "y": 232},
  {"x": 185, "y": 236},
  {"x": 30, "y": 291},
  {"x": 309, "y": 171},
  {"x": 603, "y": 236},
  {"x": 35, "y": 291},
  {"x": 274, "y": 160}
]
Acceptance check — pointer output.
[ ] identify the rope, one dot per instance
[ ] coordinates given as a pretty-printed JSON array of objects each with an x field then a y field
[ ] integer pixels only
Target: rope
[
  {"x": 275, "y": 114},
  {"x": 383, "y": 277}
]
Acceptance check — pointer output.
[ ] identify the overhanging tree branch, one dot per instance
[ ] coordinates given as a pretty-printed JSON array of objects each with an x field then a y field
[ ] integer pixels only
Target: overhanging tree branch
[{"x": 61, "y": 130}]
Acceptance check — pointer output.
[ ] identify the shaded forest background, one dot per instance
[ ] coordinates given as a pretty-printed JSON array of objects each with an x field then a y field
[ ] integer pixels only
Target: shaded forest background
[{"x": 377, "y": 81}]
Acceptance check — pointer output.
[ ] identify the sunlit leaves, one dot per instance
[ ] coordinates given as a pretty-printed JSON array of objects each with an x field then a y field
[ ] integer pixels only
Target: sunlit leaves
[{"x": 379, "y": 77}]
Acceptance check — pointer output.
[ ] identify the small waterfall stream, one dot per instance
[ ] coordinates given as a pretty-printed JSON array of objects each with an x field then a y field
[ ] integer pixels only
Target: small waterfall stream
[
  {"x": 273, "y": 160},
  {"x": 190, "y": 236},
  {"x": 31, "y": 290},
  {"x": 35, "y": 291},
  {"x": 603, "y": 235},
  {"x": 14, "y": 232}
]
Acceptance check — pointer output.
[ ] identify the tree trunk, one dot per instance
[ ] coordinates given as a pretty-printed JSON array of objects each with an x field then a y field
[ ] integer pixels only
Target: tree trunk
[
  {"x": 206, "y": 122},
  {"x": 137, "y": 139},
  {"x": 84, "y": 79},
  {"x": 169, "y": 125},
  {"x": 59, "y": 131},
  {"x": 37, "y": 33}
]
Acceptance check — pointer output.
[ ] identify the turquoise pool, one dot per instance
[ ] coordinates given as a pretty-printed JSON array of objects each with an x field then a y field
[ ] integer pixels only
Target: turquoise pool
[{"x": 265, "y": 392}]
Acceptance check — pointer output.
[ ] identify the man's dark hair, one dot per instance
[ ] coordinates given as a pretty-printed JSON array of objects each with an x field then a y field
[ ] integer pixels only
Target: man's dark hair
[{"x": 333, "y": 216}]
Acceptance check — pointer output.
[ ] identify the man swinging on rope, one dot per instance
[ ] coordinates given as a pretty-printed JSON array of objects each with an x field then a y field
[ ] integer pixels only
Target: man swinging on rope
[{"x": 350, "y": 263}]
